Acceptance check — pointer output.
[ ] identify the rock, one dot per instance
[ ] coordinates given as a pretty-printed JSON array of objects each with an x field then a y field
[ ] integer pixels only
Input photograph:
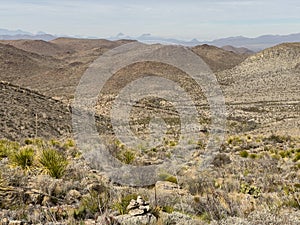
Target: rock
[
  {"x": 140, "y": 201},
  {"x": 73, "y": 196},
  {"x": 4, "y": 221},
  {"x": 136, "y": 212},
  {"x": 132, "y": 205},
  {"x": 138, "y": 207}
]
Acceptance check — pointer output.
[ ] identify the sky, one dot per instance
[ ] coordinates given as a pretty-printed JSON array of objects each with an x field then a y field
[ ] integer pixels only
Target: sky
[{"x": 185, "y": 19}]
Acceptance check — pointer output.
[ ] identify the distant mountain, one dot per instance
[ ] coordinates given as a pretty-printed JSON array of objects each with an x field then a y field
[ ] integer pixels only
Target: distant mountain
[
  {"x": 13, "y": 32},
  {"x": 258, "y": 43},
  {"x": 19, "y": 34},
  {"x": 254, "y": 44},
  {"x": 148, "y": 38}
]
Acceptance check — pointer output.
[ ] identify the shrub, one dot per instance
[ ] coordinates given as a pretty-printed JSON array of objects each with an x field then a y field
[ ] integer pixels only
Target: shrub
[
  {"x": 297, "y": 157},
  {"x": 69, "y": 143},
  {"x": 93, "y": 203},
  {"x": 53, "y": 162},
  {"x": 7, "y": 147},
  {"x": 253, "y": 156},
  {"x": 220, "y": 160},
  {"x": 121, "y": 205},
  {"x": 250, "y": 189},
  {"x": 168, "y": 177},
  {"x": 36, "y": 142},
  {"x": 23, "y": 158},
  {"x": 126, "y": 157},
  {"x": 244, "y": 154},
  {"x": 167, "y": 209}
]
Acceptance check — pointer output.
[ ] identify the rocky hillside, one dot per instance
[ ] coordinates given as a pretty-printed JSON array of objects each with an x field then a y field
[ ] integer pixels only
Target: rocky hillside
[
  {"x": 28, "y": 114},
  {"x": 265, "y": 90},
  {"x": 36, "y": 46},
  {"x": 219, "y": 59},
  {"x": 237, "y": 50}
]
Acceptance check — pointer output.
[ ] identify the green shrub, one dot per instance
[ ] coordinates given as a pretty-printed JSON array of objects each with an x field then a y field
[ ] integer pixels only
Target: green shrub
[
  {"x": 167, "y": 209},
  {"x": 126, "y": 157},
  {"x": 253, "y": 156},
  {"x": 23, "y": 158},
  {"x": 244, "y": 154},
  {"x": 7, "y": 147},
  {"x": 69, "y": 143},
  {"x": 53, "y": 162},
  {"x": 250, "y": 189},
  {"x": 297, "y": 157},
  {"x": 235, "y": 140},
  {"x": 36, "y": 142},
  {"x": 121, "y": 205},
  {"x": 168, "y": 177}
]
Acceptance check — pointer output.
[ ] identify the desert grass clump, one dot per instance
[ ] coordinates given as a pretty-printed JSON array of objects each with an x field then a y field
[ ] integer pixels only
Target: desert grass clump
[
  {"x": 297, "y": 157},
  {"x": 250, "y": 190},
  {"x": 7, "y": 147},
  {"x": 123, "y": 202},
  {"x": 38, "y": 142},
  {"x": 126, "y": 156},
  {"x": 23, "y": 158},
  {"x": 53, "y": 162},
  {"x": 253, "y": 156},
  {"x": 93, "y": 203},
  {"x": 244, "y": 154},
  {"x": 168, "y": 177}
]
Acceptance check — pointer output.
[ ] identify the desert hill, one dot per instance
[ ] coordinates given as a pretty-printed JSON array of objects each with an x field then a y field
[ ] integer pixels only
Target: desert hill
[
  {"x": 217, "y": 58},
  {"x": 35, "y": 46},
  {"x": 17, "y": 65},
  {"x": 238, "y": 50},
  {"x": 249, "y": 83},
  {"x": 265, "y": 89},
  {"x": 271, "y": 74}
]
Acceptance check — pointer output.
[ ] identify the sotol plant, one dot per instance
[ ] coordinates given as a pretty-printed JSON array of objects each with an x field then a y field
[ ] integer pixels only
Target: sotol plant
[
  {"x": 53, "y": 162},
  {"x": 23, "y": 158}
]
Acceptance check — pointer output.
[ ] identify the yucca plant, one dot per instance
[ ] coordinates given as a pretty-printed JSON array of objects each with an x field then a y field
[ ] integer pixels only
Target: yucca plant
[
  {"x": 23, "y": 157},
  {"x": 53, "y": 162}
]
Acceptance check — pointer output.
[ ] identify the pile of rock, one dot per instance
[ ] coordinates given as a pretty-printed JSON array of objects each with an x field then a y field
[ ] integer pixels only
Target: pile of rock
[
  {"x": 138, "y": 213},
  {"x": 138, "y": 207}
]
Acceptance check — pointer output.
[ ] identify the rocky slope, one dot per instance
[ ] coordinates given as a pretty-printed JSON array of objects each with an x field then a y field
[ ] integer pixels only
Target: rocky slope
[
  {"x": 219, "y": 59},
  {"x": 28, "y": 114}
]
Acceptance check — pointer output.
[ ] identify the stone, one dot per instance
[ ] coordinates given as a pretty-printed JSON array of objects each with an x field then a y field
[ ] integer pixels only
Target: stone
[
  {"x": 140, "y": 201},
  {"x": 136, "y": 212},
  {"x": 4, "y": 221},
  {"x": 146, "y": 208},
  {"x": 73, "y": 196},
  {"x": 132, "y": 205}
]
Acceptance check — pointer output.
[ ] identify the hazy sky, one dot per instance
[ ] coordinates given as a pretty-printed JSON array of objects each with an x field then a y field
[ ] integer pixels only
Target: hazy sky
[{"x": 202, "y": 19}]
